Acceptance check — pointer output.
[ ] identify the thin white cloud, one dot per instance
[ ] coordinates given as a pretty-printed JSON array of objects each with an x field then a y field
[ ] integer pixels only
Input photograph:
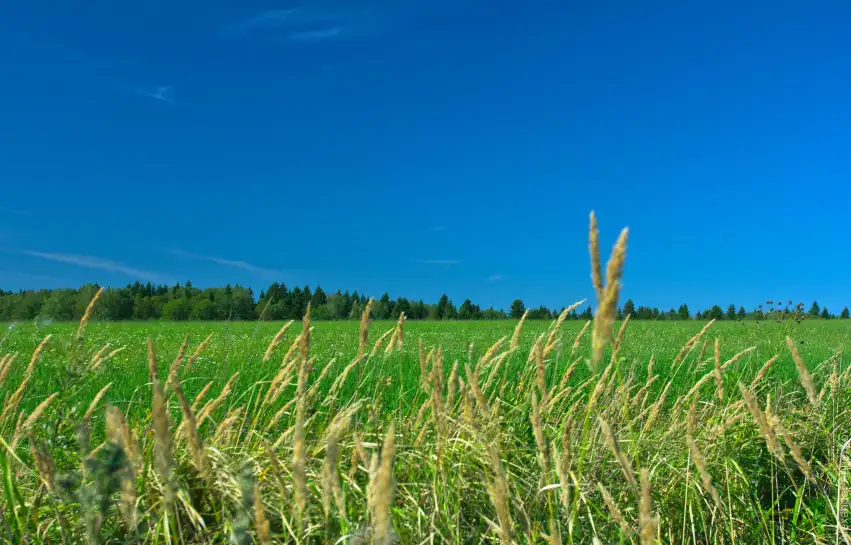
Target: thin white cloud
[
  {"x": 495, "y": 277},
  {"x": 244, "y": 265},
  {"x": 320, "y": 34},
  {"x": 270, "y": 19},
  {"x": 92, "y": 262},
  {"x": 438, "y": 228},
  {"x": 163, "y": 93},
  {"x": 436, "y": 261}
]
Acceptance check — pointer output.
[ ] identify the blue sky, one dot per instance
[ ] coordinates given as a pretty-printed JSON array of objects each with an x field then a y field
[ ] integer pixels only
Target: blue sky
[{"x": 427, "y": 146}]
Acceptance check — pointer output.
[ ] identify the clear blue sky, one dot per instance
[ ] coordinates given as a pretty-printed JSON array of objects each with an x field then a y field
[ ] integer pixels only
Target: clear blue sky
[{"x": 425, "y": 146}]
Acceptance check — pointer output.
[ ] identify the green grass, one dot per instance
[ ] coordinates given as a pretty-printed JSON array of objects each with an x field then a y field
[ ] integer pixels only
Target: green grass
[
  {"x": 442, "y": 465},
  {"x": 239, "y": 347}
]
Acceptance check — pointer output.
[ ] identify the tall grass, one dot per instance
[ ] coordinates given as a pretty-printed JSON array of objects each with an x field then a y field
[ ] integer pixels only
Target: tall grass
[{"x": 529, "y": 442}]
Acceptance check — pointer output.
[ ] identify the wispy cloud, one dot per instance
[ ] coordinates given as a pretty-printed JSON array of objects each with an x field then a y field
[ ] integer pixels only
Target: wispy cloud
[
  {"x": 92, "y": 262},
  {"x": 438, "y": 228},
  {"x": 270, "y": 19},
  {"x": 495, "y": 277},
  {"x": 320, "y": 34},
  {"x": 244, "y": 265},
  {"x": 436, "y": 261},
  {"x": 163, "y": 93}
]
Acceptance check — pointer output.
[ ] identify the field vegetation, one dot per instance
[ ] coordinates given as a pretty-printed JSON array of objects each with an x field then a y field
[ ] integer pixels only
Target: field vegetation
[{"x": 521, "y": 431}]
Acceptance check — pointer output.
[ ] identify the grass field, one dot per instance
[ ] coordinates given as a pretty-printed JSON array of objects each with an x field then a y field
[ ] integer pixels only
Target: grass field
[
  {"x": 504, "y": 454},
  {"x": 563, "y": 432}
]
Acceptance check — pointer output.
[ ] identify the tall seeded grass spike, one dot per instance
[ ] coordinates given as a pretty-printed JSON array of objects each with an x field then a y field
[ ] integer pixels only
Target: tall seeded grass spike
[
  {"x": 699, "y": 460},
  {"x": 363, "y": 336},
  {"x": 276, "y": 340},
  {"x": 647, "y": 519},
  {"x": 383, "y": 491},
  {"x": 594, "y": 250},
  {"x": 803, "y": 373},
  {"x": 607, "y": 305},
  {"x": 198, "y": 350},
  {"x": 626, "y": 467},
  {"x": 515, "y": 338},
  {"x": 89, "y": 312}
]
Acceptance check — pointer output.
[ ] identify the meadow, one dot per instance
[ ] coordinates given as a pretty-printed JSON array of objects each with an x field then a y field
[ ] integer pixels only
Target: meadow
[{"x": 379, "y": 432}]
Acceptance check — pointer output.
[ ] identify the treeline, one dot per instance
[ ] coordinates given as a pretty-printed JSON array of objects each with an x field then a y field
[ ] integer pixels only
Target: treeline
[{"x": 185, "y": 302}]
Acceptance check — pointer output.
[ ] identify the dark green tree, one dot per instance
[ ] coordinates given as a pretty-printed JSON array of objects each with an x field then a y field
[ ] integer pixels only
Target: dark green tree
[
  {"x": 731, "y": 312},
  {"x": 629, "y": 308},
  {"x": 741, "y": 314},
  {"x": 517, "y": 309},
  {"x": 683, "y": 312},
  {"x": 845, "y": 314},
  {"x": 815, "y": 310}
]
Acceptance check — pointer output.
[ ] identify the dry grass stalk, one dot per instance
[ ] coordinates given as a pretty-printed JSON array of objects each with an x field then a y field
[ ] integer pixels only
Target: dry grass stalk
[
  {"x": 201, "y": 395},
  {"x": 315, "y": 388},
  {"x": 363, "y": 335},
  {"x": 299, "y": 448},
  {"x": 565, "y": 460},
  {"x": 6, "y": 367},
  {"x": 196, "y": 444},
  {"x": 599, "y": 388},
  {"x": 88, "y": 415},
  {"x": 224, "y": 431},
  {"x": 96, "y": 364},
  {"x": 654, "y": 409},
  {"x": 518, "y": 329},
  {"x": 552, "y": 341},
  {"x": 699, "y": 460},
  {"x": 578, "y": 340},
  {"x": 619, "y": 338},
  {"x": 762, "y": 422},
  {"x": 119, "y": 432},
  {"x": 174, "y": 369},
  {"x": 281, "y": 378},
  {"x": 565, "y": 377},
  {"x": 423, "y": 362},
  {"x": 44, "y": 465},
  {"x": 803, "y": 373},
  {"x": 647, "y": 520},
  {"x": 626, "y": 467},
  {"x": 473, "y": 381},
  {"x": 607, "y": 306},
  {"x": 89, "y": 312},
  {"x": 382, "y": 489},
  {"x": 261, "y": 523},
  {"x": 211, "y": 406},
  {"x": 331, "y": 487},
  {"x": 36, "y": 414},
  {"x": 452, "y": 386},
  {"x": 164, "y": 462},
  {"x": 338, "y": 383},
  {"x": 719, "y": 379},
  {"x": 690, "y": 344},
  {"x": 614, "y": 511},
  {"x": 794, "y": 450},
  {"x": 304, "y": 338},
  {"x": 498, "y": 493},
  {"x": 541, "y": 374},
  {"x": 39, "y": 350},
  {"x": 276, "y": 340},
  {"x": 540, "y": 438},
  {"x": 197, "y": 353},
  {"x": 594, "y": 251},
  {"x": 377, "y": 345},
  {"x": 640, "y": 393}
]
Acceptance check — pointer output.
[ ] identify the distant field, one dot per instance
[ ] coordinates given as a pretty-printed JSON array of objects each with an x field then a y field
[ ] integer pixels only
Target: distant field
[
  {"x": 239, "y": 347},
  {"x": 504, "y": 448}
]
